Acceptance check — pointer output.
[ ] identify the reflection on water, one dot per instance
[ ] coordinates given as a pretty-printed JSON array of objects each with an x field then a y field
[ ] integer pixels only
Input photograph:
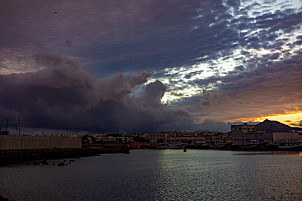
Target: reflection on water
[
  {"x": 161, "y": 175},
  {"x": 292, "y": 153}
]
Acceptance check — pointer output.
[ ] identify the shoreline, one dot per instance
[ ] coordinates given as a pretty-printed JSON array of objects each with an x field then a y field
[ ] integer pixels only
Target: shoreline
[{"x": 37, "y": 156}]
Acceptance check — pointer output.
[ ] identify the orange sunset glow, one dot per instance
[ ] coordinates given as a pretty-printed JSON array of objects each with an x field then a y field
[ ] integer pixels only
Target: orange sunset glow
[{"x": 292, "y": 119}]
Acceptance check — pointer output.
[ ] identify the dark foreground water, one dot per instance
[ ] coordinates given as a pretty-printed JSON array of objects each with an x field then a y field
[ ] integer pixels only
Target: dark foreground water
[{"x": 160, "y": 175}]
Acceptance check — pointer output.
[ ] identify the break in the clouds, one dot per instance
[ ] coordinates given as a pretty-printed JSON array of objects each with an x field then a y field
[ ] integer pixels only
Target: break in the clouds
[{"x": 218, "y": 61}]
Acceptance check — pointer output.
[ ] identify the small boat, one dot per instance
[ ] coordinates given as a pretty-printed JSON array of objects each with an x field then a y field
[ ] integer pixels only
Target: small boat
[
  {"x": 248, "y": 147},
  {"x": 294, "y": 147},
  {"x": 217, "y": 146},
  {"x": 170, "y": 146}
]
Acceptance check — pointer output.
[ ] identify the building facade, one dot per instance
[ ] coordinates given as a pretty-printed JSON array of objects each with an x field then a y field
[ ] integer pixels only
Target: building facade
[
  {"x": 247, "y": 134},
  {"x": 189, "y": 138}
]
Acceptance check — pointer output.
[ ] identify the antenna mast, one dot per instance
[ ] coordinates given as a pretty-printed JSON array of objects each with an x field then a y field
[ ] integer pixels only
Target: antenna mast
[
  {"x": 19, "y": 124},
  {"x": 6, "y": 124}
]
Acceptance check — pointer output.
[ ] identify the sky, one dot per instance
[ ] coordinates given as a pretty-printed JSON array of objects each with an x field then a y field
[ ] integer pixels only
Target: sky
[{"x": 148, "y": 66}]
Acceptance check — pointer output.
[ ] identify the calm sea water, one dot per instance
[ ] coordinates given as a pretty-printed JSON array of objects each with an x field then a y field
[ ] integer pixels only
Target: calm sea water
[{"x": 160, "y": 175}]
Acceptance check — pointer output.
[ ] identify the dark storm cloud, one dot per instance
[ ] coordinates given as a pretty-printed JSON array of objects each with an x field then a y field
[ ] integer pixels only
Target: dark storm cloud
[
  {"x": 154, "y": 92},
  {"x": 65, "y": 96},
  {"x": 136, "y": 80}
]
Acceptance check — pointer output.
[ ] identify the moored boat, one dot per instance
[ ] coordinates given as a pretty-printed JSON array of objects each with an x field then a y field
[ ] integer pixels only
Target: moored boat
[
  {"x": 170, "y": 146},
  {"x": 291, "y": 147}
]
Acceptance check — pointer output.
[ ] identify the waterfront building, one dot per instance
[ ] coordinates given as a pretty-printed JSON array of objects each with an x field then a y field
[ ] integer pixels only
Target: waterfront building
[
  {"x": 156, "y": 138},
  {"x": 190, "y": 138},
  {"x": 104, "y": 140},
  {"x": 244, "y": 128},
  {"x": 253, "y": 134}
]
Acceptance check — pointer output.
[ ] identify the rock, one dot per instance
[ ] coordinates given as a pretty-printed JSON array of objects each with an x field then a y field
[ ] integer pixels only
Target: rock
[
  {"x": 3, "y": 198},
  {"x": 61, "y": 164}
]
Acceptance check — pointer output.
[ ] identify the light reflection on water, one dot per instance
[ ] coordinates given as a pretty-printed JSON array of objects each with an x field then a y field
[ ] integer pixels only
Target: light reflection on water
[
  {"x": 161, "y": 175},
  {"x": 292, "y": 153}
]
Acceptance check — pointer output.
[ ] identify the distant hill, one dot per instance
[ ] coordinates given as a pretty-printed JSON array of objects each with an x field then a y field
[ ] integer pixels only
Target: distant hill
[{"x": 274, "y": 126}]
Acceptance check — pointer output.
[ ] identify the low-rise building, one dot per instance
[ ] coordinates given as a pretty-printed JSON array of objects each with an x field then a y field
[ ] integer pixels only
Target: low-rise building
[
  {"x": 247, "y": 134},
  {"x": 285, "y": 137},
  {"x": 189, "y": 138}
]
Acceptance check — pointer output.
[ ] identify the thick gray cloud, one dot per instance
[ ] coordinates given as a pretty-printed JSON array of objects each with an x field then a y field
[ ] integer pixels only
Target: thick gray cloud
[{"x": 63, "y": 95}]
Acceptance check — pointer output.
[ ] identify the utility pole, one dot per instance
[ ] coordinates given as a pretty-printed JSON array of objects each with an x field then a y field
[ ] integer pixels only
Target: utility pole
[{"x": 19, "y": 124}]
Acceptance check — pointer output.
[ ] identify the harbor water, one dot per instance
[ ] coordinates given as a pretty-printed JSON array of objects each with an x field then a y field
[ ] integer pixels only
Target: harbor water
[{"x": 160, "y": 175}]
